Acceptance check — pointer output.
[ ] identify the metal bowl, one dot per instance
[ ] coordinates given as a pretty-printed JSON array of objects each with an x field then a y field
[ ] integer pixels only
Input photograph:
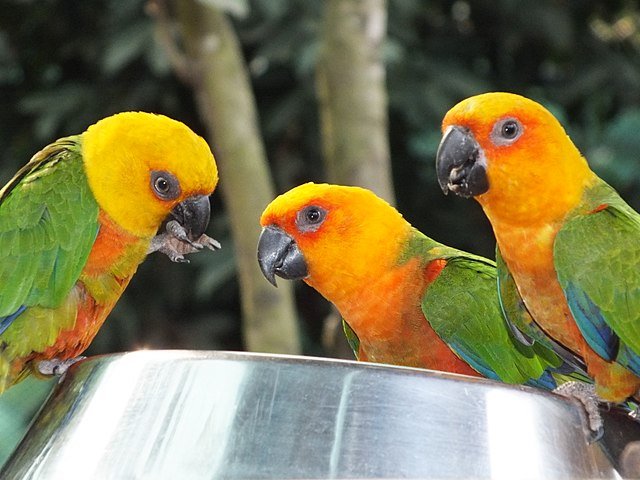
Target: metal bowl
[{"x": 222, "y": 415}]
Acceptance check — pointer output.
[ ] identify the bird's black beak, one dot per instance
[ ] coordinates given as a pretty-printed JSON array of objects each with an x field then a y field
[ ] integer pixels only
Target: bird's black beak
[
  {"x": 278, "y": 254},
  {"x": 460, "y": 164},
  {"x": 193, "y": 214}
]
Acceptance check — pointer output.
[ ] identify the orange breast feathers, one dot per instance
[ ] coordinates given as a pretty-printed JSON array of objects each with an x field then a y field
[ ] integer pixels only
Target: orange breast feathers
[
  {"x": 388, "y": 319},
  {"x": 113, "y": 260},
  {"x": 110, "y": 248}
]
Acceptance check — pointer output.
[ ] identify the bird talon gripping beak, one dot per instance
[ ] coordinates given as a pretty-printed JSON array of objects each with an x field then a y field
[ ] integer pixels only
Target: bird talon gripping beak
[
  {"x": 193, "y": 215},
  {"x": 278, "y": 254},
  {"x": 460, "y": 164}
]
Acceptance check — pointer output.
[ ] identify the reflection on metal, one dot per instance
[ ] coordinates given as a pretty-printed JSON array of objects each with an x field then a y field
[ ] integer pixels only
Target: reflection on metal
[{"x": 217, "y": 415}]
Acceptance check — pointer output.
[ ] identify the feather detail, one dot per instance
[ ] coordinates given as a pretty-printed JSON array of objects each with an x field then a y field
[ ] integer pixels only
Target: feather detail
[
  {"x": 8, "y": 320},
  {"x": 66, "y": 331},
  {"x": 390, "y": 324},
  {"x": 592, "y": 323},
  {"x": 115, "y": 251}
]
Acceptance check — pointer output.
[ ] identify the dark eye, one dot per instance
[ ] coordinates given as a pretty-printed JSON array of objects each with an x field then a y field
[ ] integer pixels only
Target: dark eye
[
  {"x": 506, "y": 131},
  {"x": 310, "y": 218},
  {"x": 162, "y": 185},
  {"x": 510, "y": 129},
  {"x": 165, "y": 185},
  {"x": 313, "y": 215}
]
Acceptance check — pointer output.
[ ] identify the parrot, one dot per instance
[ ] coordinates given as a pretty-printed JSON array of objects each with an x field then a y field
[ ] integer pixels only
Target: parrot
[
  {"x": 78, "y": 219},
  {"x": 405, "y": 299},
  {"x": 567, "y": 244}
]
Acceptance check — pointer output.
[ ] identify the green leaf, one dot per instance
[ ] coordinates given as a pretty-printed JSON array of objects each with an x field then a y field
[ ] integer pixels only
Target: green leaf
[{"x": 127, "y": 45}]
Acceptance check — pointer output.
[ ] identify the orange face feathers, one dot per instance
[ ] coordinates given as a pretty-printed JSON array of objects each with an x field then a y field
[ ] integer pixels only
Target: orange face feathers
[
  {"x": 351, "y": 246},
  {"x": 487, "y": 116},
  {"x": 521, "y": 147},
  {"x": 344, "y": 233},
  {"x": 141, "y": 165}
]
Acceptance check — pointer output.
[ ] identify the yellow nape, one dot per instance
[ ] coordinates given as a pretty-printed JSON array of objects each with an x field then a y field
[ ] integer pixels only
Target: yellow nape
[
  {"x": 539, "y": 176},
  {"x": 360, "y": 238},
  {"x": 121, "y": 152}
]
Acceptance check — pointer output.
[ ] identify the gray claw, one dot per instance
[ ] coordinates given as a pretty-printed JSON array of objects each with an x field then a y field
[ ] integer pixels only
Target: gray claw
[
  {"x": 57, "y": 367},
  {"x": 178, "y": 231},
  {"x": 208, "y": 242},
  {"x": 175, "y": 243},
  {"x": 585, "y": 393}
]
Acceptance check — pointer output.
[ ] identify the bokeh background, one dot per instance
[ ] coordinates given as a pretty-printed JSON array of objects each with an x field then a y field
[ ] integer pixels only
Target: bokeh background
[{"x": 267, "y": 81}]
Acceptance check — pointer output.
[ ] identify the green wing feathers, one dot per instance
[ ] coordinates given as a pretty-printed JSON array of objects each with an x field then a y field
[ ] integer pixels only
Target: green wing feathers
[
  {"x": 352, "y": 338},
  {"x": 596, "y": 256},
  {"x": 523, "y": 327},
  {"x": 48, "y": 224},
  {"x": 462, "y": 306}
]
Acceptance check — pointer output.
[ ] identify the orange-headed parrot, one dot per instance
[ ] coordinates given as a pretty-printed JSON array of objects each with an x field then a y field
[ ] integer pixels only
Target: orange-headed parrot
[
  {"x": 405, "y": 298},
  {"x": 568, "y": 245}
]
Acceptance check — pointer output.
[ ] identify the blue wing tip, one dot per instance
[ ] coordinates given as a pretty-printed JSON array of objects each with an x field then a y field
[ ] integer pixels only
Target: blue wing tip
[{"x": 8, "y": 320}]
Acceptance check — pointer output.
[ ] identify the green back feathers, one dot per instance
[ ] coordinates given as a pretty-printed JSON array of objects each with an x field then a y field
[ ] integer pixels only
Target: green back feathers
[
  {"x": 596, "y": 256},
  {"x": 48, "y": 223},
  {"x": 462, "y": 307}
]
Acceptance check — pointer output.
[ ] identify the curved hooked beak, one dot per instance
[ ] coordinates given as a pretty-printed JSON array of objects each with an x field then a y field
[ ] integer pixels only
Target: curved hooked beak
[
  {"x": 193, "y": 214},
  {"x": 460, "y": 164},
  {"x": 278, "y": 254}
]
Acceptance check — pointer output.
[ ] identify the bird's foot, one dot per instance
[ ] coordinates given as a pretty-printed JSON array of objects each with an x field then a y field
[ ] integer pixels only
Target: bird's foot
[
  {"x": 57, "y": 367},
  {"x": 585, "y": 393},
  {"x": 175, "y": 243}
]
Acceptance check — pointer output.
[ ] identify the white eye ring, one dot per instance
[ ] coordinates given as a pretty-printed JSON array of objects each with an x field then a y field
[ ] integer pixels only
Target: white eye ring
[
  {"x": 506, "y": 131},
  {"x": 310, "y": 218}
]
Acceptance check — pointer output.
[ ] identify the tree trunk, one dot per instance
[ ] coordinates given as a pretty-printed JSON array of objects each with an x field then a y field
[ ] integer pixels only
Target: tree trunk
[
  {"x": 225, "y": 100},
  {"x": 350, "y": 84}
]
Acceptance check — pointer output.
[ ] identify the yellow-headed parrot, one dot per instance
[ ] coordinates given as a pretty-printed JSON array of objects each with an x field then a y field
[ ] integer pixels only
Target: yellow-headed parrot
[{"x": 78, "y": 219}]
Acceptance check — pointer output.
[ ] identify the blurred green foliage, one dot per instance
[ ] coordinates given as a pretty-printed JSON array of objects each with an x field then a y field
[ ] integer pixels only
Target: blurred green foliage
[{"x": 65, "y": 64}]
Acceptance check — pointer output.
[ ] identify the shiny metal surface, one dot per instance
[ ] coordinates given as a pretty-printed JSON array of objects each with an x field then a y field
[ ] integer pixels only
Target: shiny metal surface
[{"x": 218, "y": 415}]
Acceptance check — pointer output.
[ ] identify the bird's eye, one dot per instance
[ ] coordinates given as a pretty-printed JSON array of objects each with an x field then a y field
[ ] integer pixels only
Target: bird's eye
[
  {"x": 310, "y": 218},
  {"x": 510, "y": 129},
  {"x": 313, "y": 215},
  {"x": 506, "y": 131},
  {"x": 165, "y": 185},
  {"x": 162, "y": 185}
]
